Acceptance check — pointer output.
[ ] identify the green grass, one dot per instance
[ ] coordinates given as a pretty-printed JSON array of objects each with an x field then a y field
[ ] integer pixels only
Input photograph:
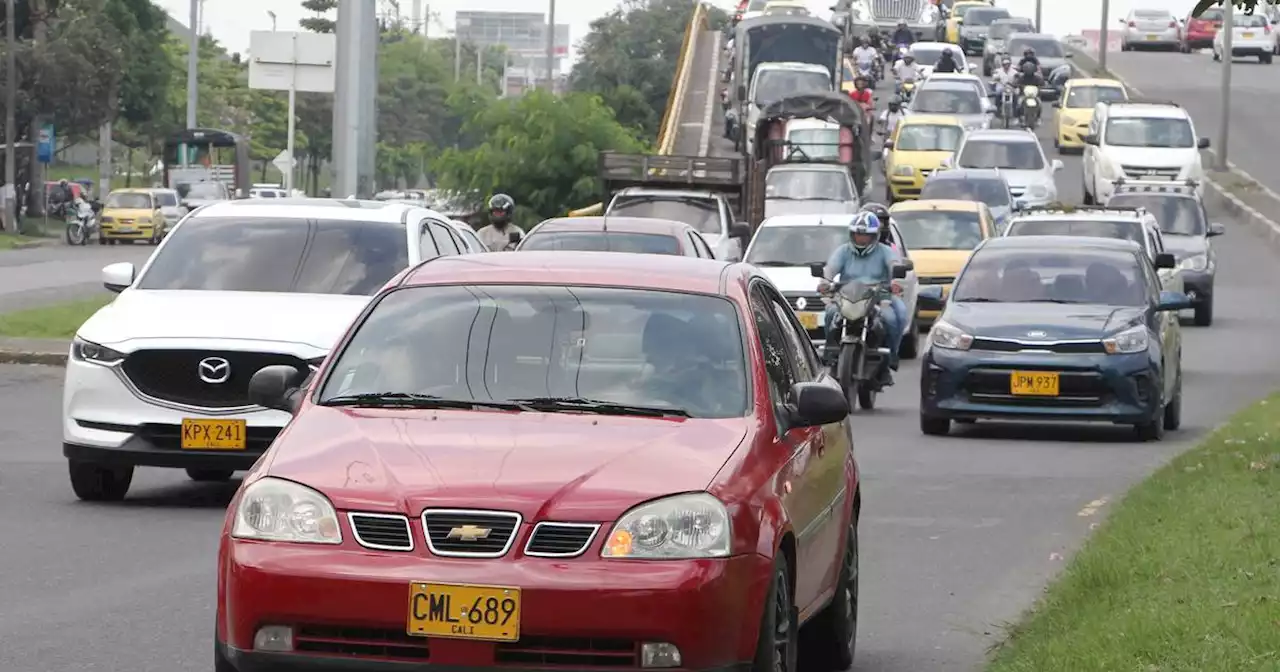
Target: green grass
[
  {"x": 60, "y": 320},
  {"x": 1184, "y": 576},
  {"x": 8, "y": 241}
]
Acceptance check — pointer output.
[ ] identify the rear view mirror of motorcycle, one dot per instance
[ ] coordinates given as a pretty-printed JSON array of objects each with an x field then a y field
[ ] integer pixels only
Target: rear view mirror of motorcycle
[{"x": 817, "y": 268}]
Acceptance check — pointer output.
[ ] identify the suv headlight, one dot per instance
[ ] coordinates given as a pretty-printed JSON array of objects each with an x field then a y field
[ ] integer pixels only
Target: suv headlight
[
  {"x": 1195, "y": 262},
  {"x": 273, "y": 509},
  {"x": 950, "y": 337},
  {"x": 88, "y": 351},
  {"x": 1127, "y": 342},
  {"x": 1037, "y": 191},
  {"x": 694, "y": 525}
]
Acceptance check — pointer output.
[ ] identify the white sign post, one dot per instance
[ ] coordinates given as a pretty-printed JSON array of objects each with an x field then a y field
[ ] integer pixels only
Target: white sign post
[{"x": 293, "y": 62}]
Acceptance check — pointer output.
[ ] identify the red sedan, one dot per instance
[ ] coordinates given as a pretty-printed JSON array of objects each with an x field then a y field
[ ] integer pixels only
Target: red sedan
[
  {"x": 551, "y": 460},
  {"x": 1198, "y": 31}
]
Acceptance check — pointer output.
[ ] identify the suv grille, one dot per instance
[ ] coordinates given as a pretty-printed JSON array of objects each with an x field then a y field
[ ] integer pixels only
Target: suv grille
[
  {"x": 1149, "y": 173},
  {"x": 1077, "y": 388},
  {"x": 910, "y": 10},
  {"x": 937, "y": 280},
  {"x": 174, "y": 375},
  {"x": 560, "y": 540},
  {"x": 360, "y": 643},
  {"x": 381, "y": 531},
  {"x": 469, "y": 533}
]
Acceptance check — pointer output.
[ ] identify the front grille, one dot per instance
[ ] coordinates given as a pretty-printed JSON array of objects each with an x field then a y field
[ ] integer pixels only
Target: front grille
[
  {"x": 560, "y": 540},
  {"x": 367, "y": 643},
  {"x": 1061, "y": 347},
  {"x": 381, "y": 531},
  {"x": 908, "y": 10},
  {"x": 567, "y": 652},
  {"x": 174, "y": 375},
  {"x": 1150, "y": 173},
  {"x": 811, "y": 301},
  {"x": 1075, "y": 388},
  {"x": 169, "y": 437},
  {"x": 937, "y": 280},
  {"x": 1017, "y": 192},
  {"x": 469, "y": 533}
]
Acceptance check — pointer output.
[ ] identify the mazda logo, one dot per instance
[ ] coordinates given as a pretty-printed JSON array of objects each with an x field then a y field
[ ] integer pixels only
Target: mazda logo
[{"x": 214, "y": 370}]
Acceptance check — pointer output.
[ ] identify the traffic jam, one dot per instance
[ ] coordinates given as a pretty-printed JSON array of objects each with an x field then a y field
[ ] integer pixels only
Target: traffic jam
[{"x": 626, "y": 440}]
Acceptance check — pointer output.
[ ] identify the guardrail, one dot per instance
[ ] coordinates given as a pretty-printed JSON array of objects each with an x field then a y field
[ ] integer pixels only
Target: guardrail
[{"x": 669, "y": 128}]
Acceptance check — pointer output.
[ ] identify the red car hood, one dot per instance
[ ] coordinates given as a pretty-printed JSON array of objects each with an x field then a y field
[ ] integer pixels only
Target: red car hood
[{"x": 543, "y": 465}]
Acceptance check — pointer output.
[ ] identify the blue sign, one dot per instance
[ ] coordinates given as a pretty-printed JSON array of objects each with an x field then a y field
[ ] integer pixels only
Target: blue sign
[{"x": 44, "y": 144}]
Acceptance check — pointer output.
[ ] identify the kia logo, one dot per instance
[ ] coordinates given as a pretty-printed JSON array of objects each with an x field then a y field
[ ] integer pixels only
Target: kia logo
[
  {"x": 214, "y": 370},
  {"x": 1036, "y": 334}
]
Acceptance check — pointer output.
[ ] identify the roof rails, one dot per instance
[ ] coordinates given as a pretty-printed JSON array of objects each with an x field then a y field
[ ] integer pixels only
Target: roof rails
[
  {"x": 1127, "y": 186},
  {"x": 1061, "y": 209},
  {"x": 1141, "y": 101}
]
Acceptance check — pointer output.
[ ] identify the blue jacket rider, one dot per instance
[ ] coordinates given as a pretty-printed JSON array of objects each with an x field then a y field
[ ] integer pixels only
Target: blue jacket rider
[{"x": 865, "y": 259}]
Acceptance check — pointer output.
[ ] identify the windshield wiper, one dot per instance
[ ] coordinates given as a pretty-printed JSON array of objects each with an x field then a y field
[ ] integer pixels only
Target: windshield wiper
[
  {"x": 774, "y": 263},
  {"x": 978, "y": 299},
  {"x": 1045, "y": 301},
  {"x": 553, "y": 404},
  {"x": 411, "y": 400}
]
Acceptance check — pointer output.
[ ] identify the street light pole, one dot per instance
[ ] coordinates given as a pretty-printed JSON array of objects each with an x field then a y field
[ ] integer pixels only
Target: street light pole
[
  {"x": 10, "y": 116},
  {"x": 1228, "y": 25},
  {"x": 551, "y": 46},
  {"x": 1102, "y": 34},
  {"x": 273, "y": 20},
  {"x": 1039, "y": 13}
]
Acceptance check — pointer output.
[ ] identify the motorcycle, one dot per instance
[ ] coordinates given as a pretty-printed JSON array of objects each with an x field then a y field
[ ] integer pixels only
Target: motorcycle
[
  {"x": 724, "y": 99},
  {"x": 82, "y": 223},
  {"x": 1008, "y": 105},
  {"x": 869, "y": 72},
  {"x": 862, "y": 365},
  {"x": 908, "y": 91},
  {"x": 1030, "y": 107}
]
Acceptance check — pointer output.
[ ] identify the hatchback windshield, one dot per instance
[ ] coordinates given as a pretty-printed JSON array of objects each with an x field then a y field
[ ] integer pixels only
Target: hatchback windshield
[
  {"x": 1045, "y": 47},
  {"x": 599, "y": 241},
  {"x": 167, "y": 198},
  {"x": 795, "y": 245},
  {"x": 1250, "y": 21},
  {"x": 928, "y": 56},
  {"x": 808, "y": 185},
  {"x": 1149, "y": 132},
  {"x": 499, "y": 343},
  {"x": 984, "y": 16},
  {"x": 993, "y": 192},
  {"x": 128, "y": 201},
  {"x": 939, "y": 229},
  {"x": 1067, "y": 276},
  {"x": 1085, "y": 97},
  {"x": 262, "y": 254},
  {"x": 816, "y": 143},
  {"x": 1003, "y": 154},
  {"x": 207, "y": 190},
  {"x": 702, "y": 214},
  {"x": 1091, "y": 228},
  {"x": 1153, "y": 15},
  {"x": 774, "y": 85},
  {"x": 929, "y": 138},
  {"x": 1003, "y": 29},
  {"x": 1211, "y": 14},
  {"x": 1179, "y": 215},
  {"x": 946, "y": 101}
]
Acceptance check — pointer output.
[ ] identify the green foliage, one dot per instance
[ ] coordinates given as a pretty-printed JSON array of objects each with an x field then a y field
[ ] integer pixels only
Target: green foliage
[
  {"x": 541, "y": 149},
  {"x": 320, "y": 23}
]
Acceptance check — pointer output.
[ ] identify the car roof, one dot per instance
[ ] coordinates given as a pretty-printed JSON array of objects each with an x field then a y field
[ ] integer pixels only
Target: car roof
[
  {"x": 652, "y": 225},
  {"x": 1049, "y": 37},
  {"x": 967, "y": 174},
  {"x": 812, "y": 219},
  {"x": 674, "y": 193},
  {"x": 946, "y": 85},
  {"x": 797, "y": 67},
  {"x": 651, "y": 271},
  {"x": 809, "y": 167},
  {"x": 1020, "y": 20},
  {"x": 937, "y": 45},
  {"x": 1146, "y": 110},
  {"x": 954, "y": 77},
  {"x": 130, "y": 190},
  {"x": 933, "y": 204},
  {"x": 1095, "y": 81},
  {"x": 1061, "y": 242},
  {"x": 315, "y": 208},
  {"x": 931, "y": 120},
  {"x": 1001, "y": 135}
]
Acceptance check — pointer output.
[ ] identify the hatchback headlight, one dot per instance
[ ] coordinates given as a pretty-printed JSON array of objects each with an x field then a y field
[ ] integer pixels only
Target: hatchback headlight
[
  {"x": 950, "y": 337},
  {"x": 685, "y": 526},
  {"x": 1127, "y": 342},
  {"x": 904, "y": 171},
  {"x": 1195, "y": 262},
  {"x": 273, "y": 509},
  {"x": 88, "y": 351}
]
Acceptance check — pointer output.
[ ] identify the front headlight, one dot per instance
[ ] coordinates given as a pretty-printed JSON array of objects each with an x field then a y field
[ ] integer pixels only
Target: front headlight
[
  {"x": 1196, "y": 262},
  {"x": 1038, "y": 191},
  {"x": 904, "y": 171},
  {"x": 88, "y": 351},
  {"x": 694, "y": 525},
  {"x": 1127, "y": 342},
  {"x": 948, "y": 336},
  {"x": 273, "y": 509}
]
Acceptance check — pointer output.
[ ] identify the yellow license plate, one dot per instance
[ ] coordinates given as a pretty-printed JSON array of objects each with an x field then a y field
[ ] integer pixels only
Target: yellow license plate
[
  {"x": 1152, "y": 38},
  {"x": 198, "y": 434},
  {"x": 464, "y": 612},
  {"x": 1034, "y": 383},
  {"x": 1247, "y": 35},
  {"x": 808, "y": 320}
]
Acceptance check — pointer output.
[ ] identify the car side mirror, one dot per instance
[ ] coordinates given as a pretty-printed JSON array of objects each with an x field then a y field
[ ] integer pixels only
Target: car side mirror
[
  {"x": 119, "y": 276},
  {"x": 1203, "y": 143},
  {"x": 1170, "y": 301},
  {"x": 1019, "y": 204},
  {"x": 513, "y": 237},
  {"x": 742, "y": 92},
  {"x": 931, "y": 297},
  {"x": 1216, "y": 229},
  {"x": 1089, "y": 139},
  {"x": 277, "y": 387},
  {"x": 1068, "y": 55},
  {"x": 817, "y": 268},
  {"x": 1057, "y": 165},
  {"x": 741, "y": 231},
  {"x": 1165, "y": 260},
  {"x": 817, "y": 404}
]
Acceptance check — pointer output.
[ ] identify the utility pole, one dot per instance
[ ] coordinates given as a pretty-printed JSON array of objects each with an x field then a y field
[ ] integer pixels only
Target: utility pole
[
  {"x": 273, "y": 20},
  {"x": 1228, "y": 26},
  {"x": 10, "y": 117},
  {"x": 1039, "y": 13},
  {"x": 479, "y": 65},
  {"x": 193, "y": 75},
  {"x": 457, "y": 54},
  {"x": 551, "y": 46},
  {"x": 1102, "y": 34}
]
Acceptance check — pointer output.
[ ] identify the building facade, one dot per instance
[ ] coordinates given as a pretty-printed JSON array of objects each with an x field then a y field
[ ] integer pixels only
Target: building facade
[{"x": 524, "y": 34}]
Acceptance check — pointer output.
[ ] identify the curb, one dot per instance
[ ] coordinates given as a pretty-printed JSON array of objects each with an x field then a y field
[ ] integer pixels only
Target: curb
[{"x": 36, "y": 358}]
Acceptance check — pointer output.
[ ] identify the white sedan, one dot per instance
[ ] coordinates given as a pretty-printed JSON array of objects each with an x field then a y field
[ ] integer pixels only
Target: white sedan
[{"x": 928, "y": 53}]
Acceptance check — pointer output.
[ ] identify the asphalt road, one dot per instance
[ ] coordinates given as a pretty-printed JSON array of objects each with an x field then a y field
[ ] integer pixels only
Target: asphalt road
[
  {"x": 42, "y": 275},
  {"x": 959, "y": 533},
  {"x": 1194, "y": 81}
]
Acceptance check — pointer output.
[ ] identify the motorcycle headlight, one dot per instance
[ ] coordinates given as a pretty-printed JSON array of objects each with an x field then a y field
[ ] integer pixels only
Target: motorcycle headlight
[
  {"x": 1126, "y": 342},
  {"x": 694, "y": 525},
  {"x": 904, "y": 171},
  {"x": 88, "y": 351},
  {"x": 1030, "y": 91},
  {"x": 948, "y": 336},
  {"x": 1195, "y": 262},
  {"x": 273, "y": 509}
]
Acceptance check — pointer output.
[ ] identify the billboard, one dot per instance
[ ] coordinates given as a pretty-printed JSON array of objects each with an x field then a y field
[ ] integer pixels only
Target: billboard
[{"x": 524, "y": 34}]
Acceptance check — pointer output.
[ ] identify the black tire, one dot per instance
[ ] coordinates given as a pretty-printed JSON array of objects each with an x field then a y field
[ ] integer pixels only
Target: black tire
[
  {"x": 846, "y": 362},
  {"x": 1265, "y": 59},
  {"x": 910, "y": 347},
  {"x": 101, "y": 239},
  {"x": 210, "y": 475},
  {"x": 1152, "y": 430},
  {"x": 777, "y": 643},
  {"x": 1173, "y": 409},
  {"x": 99, "y": 482},
  {"x": 931, "y": 426},
  {"x": 1088, "y": 197},
  {"x": 1204, "y": 313},
  {"x": 829, "y": 641},
  {"x": 75, "y": 235},
  {"x": 867, "y": 398}
]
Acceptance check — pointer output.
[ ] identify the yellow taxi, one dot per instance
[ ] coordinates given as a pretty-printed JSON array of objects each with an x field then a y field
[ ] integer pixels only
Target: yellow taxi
[
  {"x": 940, "y": 234},
  {"x": 786, "y": 8},
  {"x": 957, "y": 17},
  {"x": 918, "y": 146},
  {"x": 1073, "y": 111},
  {"x": 131, "y": 214}
]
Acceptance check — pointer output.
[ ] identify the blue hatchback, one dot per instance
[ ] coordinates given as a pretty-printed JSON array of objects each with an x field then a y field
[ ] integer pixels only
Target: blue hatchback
[{"x": 1055, "y": 328}]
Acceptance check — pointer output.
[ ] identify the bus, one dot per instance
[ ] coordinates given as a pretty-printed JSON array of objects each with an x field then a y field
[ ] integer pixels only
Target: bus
[{"x": 207, "y": 155}]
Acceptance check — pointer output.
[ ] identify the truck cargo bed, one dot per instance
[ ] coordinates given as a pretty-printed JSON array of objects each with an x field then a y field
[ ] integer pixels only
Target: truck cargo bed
[{"x": 618, "y": 171}]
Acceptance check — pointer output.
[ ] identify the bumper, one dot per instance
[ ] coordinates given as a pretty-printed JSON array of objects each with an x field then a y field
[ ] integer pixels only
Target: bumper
[
  {"x": 105, "y": 420},
  {"x": 1072, "y": 137},
  {"x": 340, "y": 600},
  {"x": 973, "y": 44},
  {"x": 1123, "y": 389},
  {"x": 117, "y": 232},
  {"x": 1198, "y": 285},
  {"x": 259, "y": 661},
  {"x": 1164, "y": 39},
  {"x": 906, "y": 187},
  {"x": 923, "y": 32},
  {"x": 1036, "y": 201},
  {"x": 1199, "y": 40},
  {"x": 1252, "y": 49}
]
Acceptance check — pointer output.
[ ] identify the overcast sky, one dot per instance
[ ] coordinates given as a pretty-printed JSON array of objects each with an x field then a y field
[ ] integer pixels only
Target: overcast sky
[{"x": 231, "y": 20}]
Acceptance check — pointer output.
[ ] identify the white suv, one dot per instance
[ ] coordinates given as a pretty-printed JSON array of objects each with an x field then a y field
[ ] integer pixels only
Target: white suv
[
  {"x": 1140, "y": 141},
  {"x": 1251, "y": 35},
  {"x": 159, "y": 377}
]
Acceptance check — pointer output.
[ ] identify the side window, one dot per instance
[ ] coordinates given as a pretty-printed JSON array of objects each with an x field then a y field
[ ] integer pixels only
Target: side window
[
  {"x": 803, "y": 357},
  {"x": 774, "y": 345},
  {"x": 693, "y": 245},
  {"x": 444, "y": 239},
  {"x": 897, "y": 238},
  {"x": 1152, "y": 279},
  {"x": 701, "y": 244},
  {"x": 427, "y": 244}
]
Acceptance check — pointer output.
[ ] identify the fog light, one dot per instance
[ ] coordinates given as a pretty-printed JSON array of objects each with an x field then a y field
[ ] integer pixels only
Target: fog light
[
  {"x": 659, "y": 654},
  {"x": 273, "y": 638}
]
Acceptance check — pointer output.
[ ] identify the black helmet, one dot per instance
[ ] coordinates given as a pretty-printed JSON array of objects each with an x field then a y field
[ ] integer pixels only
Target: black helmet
[
  {"x": 501, "y": 208},
  {"x": 881, "y": 212},
  {"x": 1028, "y": 68},
  {"x": 895, "y": 103},
  {"x": 1029, "y": 51}
]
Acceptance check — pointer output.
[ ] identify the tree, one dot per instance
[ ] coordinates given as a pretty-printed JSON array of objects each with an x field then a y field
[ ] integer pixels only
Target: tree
[
  {"x": 320, "y": 23},
  {"x": 1247, "y": 6},
  {"x": 540, "y": 148}
]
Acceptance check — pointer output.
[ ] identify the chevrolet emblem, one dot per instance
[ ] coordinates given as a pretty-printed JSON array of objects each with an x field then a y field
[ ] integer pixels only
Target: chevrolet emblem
[{"x": 469, "y": 533}]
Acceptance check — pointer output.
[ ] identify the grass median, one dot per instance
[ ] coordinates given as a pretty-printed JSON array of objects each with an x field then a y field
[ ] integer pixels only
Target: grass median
[
  {"x": 58, "y": 320},
  {"x": 1184, "y": 575}
]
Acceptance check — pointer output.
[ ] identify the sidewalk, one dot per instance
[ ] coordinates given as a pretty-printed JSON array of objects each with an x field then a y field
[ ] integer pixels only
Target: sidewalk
[{"x": 47, "y": 352}]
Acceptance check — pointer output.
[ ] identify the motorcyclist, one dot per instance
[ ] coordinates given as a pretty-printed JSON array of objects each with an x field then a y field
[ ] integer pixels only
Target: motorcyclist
[
  {"x": 946, "y": 62},
  {"x": 865, "y": 56},
  {"x": 907, "y": 70},
  {"x": 902, "y": 34},
  {"x": 863, "y": 94},
  {"x": 1005, "y": 75},
  {"x": 60, "y": 199},
  {"x": 865, "y": 259},
  {"x": 497, "y": 235},
  {"x": 1029, "y": 56},
  {"x": 1029, "y": 75},
  {"x": 886, "y": 230},
  {"x": 889, "y": 119}
]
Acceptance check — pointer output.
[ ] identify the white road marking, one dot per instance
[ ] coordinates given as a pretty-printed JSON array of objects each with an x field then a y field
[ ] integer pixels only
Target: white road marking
[
  {"x": 1093, "y": 507},
  {"x": 704, "y": 144}
]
